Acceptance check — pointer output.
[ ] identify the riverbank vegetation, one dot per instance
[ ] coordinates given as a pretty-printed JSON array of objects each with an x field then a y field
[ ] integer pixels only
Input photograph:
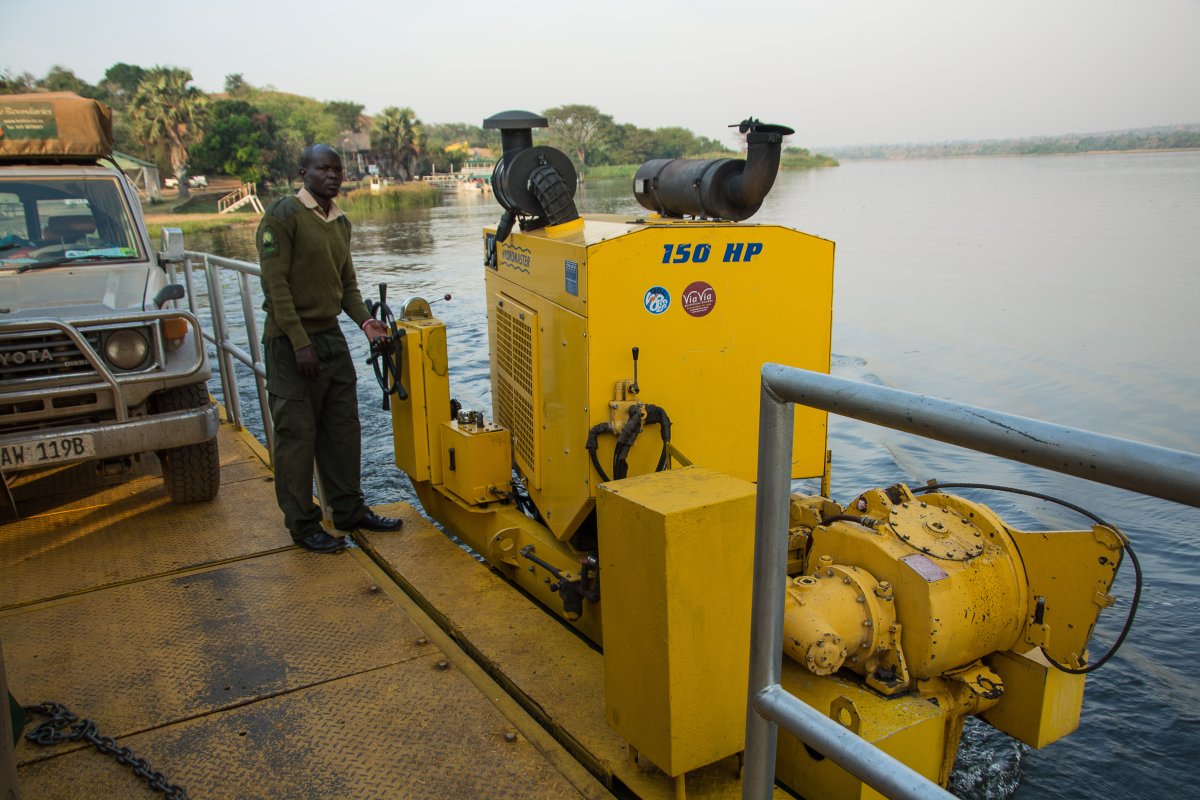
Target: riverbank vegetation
[
  {"x": 255, "y": 134},
  {"x": 1173, "y": 137},
  {"x": 196, "y": 222},
  {"x": 390, "y": 198}
]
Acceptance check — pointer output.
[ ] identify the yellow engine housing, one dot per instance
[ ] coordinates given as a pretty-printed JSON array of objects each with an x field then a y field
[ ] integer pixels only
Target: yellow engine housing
[{"x": 706, "y": 303}]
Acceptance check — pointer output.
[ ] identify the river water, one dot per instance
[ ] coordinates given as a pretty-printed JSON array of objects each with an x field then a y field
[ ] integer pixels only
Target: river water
[{"x": 1058, "y": 288}]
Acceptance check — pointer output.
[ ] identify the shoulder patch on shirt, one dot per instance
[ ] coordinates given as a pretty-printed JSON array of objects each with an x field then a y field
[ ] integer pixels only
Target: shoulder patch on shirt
[{"x": 270, "y": 247}]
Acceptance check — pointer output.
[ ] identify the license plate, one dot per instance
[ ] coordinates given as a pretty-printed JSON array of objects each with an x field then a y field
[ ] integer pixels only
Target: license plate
[{"x": 48, "y": 451}]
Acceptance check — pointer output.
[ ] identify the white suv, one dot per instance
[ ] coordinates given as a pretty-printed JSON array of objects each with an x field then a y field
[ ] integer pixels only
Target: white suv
[{"x": 96, "y": 362}]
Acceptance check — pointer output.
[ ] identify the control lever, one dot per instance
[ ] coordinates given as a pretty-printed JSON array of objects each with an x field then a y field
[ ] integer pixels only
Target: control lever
[{"x": 387, "y": 353}]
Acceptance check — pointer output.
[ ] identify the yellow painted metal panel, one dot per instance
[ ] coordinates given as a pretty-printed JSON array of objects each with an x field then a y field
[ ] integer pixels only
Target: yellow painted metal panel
[
  {"x": 564, "y": 496},
  {"x": 476, "y": 461},
  {"x": 1040, "y": 704},
  {"x": 739, "y": 296},
  {"x": 426, "y": 377},
  {"x": 909, "y": 728},
  {"x": 551, "y": 268},
  {"x": 676, "y": 561},
  {"x": 731, "y": 297}
]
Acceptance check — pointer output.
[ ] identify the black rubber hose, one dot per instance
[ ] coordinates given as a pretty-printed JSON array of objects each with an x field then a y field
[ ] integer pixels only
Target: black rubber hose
[
  {"x": 625, "y": 442},
  {"x": 656, "y": 415},
  {"x": 592, "y": 443}
]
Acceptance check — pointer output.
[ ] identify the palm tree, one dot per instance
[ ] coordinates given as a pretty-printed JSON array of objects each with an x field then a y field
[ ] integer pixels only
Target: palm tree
[
  {"x": 399, "y": 139},
  {"x": 167, "y": 112}
]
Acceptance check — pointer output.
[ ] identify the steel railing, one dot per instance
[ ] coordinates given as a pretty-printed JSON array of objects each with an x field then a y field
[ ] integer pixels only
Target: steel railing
[
  {"x": 229, "y": 351},
  {"x": 1155, "y": 471}
]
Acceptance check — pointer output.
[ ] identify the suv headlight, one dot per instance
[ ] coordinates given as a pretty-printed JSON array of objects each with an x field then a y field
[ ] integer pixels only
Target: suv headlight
[{"x": 126, "y": 349}]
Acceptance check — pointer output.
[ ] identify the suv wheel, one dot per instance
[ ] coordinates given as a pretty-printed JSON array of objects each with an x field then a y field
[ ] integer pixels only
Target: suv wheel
[{"x": 191, "y": 473}]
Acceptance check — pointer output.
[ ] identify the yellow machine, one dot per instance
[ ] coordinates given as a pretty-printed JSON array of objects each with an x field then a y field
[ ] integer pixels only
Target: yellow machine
[{"x": 617, "y": 475}]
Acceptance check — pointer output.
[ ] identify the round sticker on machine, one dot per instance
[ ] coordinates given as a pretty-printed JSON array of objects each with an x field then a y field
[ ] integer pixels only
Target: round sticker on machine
[
  {"x": 657, "y": 300},
  {"x": 698, "y": 298}
]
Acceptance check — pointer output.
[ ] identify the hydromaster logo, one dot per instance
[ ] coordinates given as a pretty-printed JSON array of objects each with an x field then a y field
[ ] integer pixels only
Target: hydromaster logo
[
  {"x": 516, "y": 257},
  {"x": 698, "y": 298},
  {"x": 656, "y": 300}
]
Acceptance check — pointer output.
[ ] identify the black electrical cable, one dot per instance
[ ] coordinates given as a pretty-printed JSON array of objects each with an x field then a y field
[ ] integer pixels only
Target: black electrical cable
[
  {"x": 593, "y": 441},
  {"x": 1137, "y": 567},
  {"x": 625, "y": 441},
  {"x": 658, "y": 415}
]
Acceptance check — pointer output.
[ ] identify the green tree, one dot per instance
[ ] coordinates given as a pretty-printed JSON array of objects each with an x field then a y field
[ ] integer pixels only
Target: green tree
[
  {"x": 346, "y": 114},
  {"x": 167, "y": 114},
  {"x": 238, "y": 140},
  {"x": 292, "y": 112},
  {"x": 673, "y": 143},
  {"x": 12, "y": 83},
  {"x": 399, "y": 140},
  {"x": 235, "y": 84},
  {"x": 578, "y": 129},
  {"x": 120, "y": 82},
  {"x": 61, "y": 79}
]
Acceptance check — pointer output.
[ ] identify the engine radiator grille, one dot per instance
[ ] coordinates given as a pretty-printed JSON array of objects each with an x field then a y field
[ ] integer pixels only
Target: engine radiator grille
[{"x": 516, "y": 382}]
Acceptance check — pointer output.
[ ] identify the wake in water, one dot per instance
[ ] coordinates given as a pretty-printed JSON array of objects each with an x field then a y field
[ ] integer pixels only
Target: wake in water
[{"x": 988, "y": 766}]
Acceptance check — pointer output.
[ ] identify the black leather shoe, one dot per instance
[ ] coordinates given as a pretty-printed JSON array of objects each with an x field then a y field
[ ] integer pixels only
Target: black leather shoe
[
  {"x": 321, "y": 542},
  {"x": 373, "y": 522}
]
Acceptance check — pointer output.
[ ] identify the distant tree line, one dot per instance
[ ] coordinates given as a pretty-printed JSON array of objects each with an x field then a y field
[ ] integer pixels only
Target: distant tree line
[
  {"x": 1173, "y": 137},
  {"x": 256, "y": 133}
]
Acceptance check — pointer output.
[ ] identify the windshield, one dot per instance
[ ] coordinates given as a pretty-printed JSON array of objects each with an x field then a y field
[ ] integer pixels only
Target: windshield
[{"x": 45, "y": 222}]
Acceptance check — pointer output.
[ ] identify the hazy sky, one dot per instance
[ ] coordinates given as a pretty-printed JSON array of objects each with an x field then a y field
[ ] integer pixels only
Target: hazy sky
[{"x": 838, "y": 72}]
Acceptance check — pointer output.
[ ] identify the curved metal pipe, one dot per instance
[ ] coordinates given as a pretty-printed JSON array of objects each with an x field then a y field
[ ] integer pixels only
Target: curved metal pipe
[{"x": 717, "y": 188}]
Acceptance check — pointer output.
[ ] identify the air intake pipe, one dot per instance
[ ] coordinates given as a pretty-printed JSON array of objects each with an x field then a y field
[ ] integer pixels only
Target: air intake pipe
[
  {"x": 717, "y": 188},
  {"x": 535, "y": 184}
]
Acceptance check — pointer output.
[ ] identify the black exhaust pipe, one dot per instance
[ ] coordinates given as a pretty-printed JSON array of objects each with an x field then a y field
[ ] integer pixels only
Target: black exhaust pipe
[
  {"x": 535, "y": 185},
  {"x": 717, "y": 188}
]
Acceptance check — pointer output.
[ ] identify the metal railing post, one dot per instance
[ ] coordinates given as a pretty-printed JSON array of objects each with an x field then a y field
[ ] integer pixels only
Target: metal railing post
[
  {"x": 1155, "y": 471},
  {"x": 257, "y": 364},
  {"x": 1151, "y": 470},
  {"x": 775, "y": 425},
  {"x": 221, "y": 332},
  {"x": 190, "y": 284}
]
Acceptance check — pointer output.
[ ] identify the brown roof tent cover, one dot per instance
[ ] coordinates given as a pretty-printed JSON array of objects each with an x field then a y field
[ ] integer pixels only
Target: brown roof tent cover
[{"x": 54, "y": 125}]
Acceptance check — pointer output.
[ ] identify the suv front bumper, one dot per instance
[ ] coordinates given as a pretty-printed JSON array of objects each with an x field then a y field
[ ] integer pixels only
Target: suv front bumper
[{"x": 108, "y": 440}]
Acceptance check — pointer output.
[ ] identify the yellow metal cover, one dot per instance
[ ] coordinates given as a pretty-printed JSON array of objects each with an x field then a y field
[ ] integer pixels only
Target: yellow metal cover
[
  {"x": 907, "y": 727},
  {"x": 705, "y": 303},
  {"x": 677, "y": 552},
  {"x": 559, "y": 417},
  {"x": 1040, "y": 705},
  {"x": 517, "y": 384},
  {"x": 425, "y": 375},
  {"x": 476, "y": 461}
]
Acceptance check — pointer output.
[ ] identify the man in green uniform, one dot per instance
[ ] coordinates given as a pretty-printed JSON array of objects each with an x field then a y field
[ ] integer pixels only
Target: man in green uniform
[{"x": 308, "y": 281}]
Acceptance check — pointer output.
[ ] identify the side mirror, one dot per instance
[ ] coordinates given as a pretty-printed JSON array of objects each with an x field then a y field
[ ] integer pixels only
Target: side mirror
[
  {"x": 172, "y": 245},
  {"x": 172, "y": 291}
]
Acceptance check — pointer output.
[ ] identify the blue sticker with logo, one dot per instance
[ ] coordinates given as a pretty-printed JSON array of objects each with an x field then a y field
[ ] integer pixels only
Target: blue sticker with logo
[
  {"x": 571, "y": 274},
  {"x": 656, "y": 300}
]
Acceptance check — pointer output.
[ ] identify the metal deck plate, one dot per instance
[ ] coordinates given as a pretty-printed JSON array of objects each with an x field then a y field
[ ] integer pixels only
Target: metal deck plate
[
  {"x": 559, "y": 675},
  {"x": 237, "y": 664},
  {"x": 408, "y": 731},
  {"x": 150, "y": 653},
  {"x": 102, "y": 533}
]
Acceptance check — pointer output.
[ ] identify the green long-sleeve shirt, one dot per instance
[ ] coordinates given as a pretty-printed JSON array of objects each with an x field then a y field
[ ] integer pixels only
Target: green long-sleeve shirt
[{"x": 307, "y": 274}]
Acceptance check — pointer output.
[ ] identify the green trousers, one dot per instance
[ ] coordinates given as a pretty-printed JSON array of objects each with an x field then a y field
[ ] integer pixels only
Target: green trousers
[{"x": 315, "y": 419}]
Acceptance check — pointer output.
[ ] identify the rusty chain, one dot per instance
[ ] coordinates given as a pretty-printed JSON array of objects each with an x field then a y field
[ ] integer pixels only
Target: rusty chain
[{"x": 55, "y": 731}]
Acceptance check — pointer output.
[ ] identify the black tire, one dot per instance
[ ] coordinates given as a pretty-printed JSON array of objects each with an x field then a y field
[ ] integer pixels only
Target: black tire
[{"x": 192, "y": 473}]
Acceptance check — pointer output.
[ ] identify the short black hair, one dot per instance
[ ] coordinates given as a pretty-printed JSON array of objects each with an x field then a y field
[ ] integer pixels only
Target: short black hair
[{"x": 309, "y": 153}]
